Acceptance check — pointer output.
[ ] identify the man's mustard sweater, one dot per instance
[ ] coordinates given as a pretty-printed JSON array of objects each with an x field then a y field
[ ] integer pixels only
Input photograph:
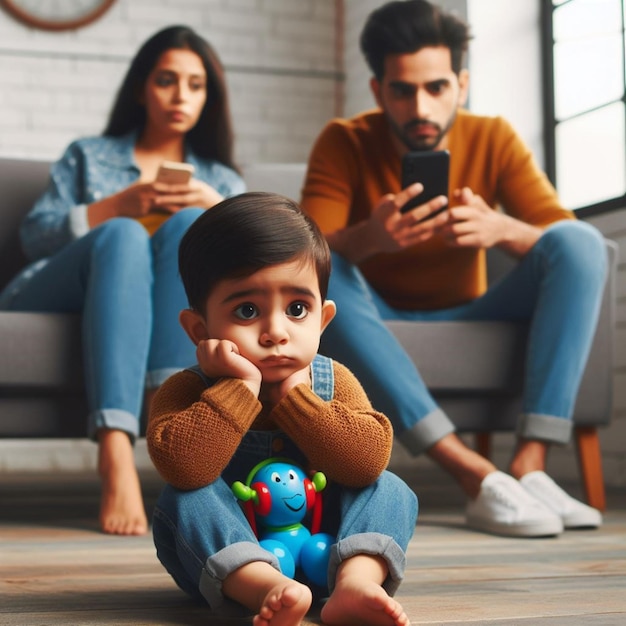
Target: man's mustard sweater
[{"x": 353, "y": 164}]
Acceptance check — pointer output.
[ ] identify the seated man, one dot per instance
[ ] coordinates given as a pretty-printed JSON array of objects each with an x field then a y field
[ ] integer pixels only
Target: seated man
[{"x": 393, "y": 265}]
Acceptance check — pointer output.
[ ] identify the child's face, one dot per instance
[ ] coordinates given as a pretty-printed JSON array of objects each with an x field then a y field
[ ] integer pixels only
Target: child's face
[{"x": 275, "y": 317}]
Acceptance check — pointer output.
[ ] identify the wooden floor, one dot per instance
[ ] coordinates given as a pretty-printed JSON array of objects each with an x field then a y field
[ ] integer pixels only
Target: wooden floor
[{"x": 57, "y": 569}]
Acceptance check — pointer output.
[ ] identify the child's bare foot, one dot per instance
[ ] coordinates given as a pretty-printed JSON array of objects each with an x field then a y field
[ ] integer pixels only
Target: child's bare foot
[
  {"x": 356, "y": 602},
  {"x": 121, "y": 505},
  {"x": 359, "y": 598},
  {"x": 285, "y": 605}
]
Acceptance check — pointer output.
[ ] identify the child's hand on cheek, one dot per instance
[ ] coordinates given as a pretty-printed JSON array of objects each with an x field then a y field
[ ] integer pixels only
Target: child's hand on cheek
[
  {"x": 273, "y": 393},
  {"x": 220, "y": 358}
]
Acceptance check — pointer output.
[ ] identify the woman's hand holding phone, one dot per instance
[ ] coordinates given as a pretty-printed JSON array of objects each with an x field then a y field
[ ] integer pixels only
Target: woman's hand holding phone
[
  {"x": 177, "y": 189},
  {"x": 136, "y": 201},
  {"x": 196, "y": 193}
]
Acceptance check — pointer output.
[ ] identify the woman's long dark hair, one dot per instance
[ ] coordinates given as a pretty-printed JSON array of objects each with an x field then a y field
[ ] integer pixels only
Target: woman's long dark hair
[{"x": 212, "y": 136}]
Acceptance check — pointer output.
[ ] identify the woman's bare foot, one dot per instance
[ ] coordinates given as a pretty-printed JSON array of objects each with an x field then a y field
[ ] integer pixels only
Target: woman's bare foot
[
  {"x": 121, "y": 505},
  {"x": 285, "y": 605},
  {"x": 360, "y": 603}
]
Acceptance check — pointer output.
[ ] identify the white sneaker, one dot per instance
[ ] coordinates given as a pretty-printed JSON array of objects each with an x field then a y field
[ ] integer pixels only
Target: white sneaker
[
  {"x": 574, "y": 513},
  {"x": 504, "y": 507}
]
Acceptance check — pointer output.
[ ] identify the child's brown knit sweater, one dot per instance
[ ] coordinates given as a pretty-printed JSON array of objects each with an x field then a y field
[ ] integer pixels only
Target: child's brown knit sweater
[{"x": 194, "y": 431}]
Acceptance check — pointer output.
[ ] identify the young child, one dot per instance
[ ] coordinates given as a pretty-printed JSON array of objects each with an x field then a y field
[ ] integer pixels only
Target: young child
[{"x": 255, "y": 269}]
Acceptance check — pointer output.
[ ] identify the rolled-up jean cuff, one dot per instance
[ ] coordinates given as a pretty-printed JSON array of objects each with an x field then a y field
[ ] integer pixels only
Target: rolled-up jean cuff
[
  {"x": 427, "y": 432},
  {"x": 225, "y": 562},
  {"x": 536, "y": 426},
  {"x": 113, "y": 419},
  {"x": 374, "y": 544},
  {"x": 156, "y": 378}
]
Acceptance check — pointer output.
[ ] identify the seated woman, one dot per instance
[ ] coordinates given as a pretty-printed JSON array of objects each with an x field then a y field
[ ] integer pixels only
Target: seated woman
[{"x": 103, "y": 241}]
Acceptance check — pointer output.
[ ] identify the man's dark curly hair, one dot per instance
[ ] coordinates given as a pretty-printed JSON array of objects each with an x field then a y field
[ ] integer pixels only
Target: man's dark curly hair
[{"x": 406, "y": 26}]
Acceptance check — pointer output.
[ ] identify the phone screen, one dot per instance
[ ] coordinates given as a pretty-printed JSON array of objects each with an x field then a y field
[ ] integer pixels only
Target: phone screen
[
  {"x": 175, "y": 173},
  {"x": 432, "y": 170}
]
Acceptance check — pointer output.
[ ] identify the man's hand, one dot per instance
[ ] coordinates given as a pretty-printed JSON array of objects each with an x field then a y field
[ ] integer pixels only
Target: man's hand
[
  {"x": 473, "y": 224},
  {"x": 394, "y": 230},
  {"x": 220, "y": 358},
  {"x": 389, "y": 230}
]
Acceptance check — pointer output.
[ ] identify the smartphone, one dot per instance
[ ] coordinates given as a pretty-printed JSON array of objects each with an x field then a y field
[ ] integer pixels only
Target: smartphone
[
  {"x": 432, "y": 169},
  {"x": 174, "y": 173}
]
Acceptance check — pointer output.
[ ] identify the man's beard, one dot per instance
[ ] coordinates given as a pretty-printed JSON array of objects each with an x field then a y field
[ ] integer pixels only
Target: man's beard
[{"x": 421, "y": 144}]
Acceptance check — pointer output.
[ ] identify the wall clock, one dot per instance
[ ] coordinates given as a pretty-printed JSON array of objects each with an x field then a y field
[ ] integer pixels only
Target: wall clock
[{"x": 56, "y": 14}]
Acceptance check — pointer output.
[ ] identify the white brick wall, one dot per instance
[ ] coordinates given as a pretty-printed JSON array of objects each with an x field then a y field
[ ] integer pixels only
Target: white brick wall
[
  {"x": 358, "y": 96},
  {"x": 280, "y": 59}
]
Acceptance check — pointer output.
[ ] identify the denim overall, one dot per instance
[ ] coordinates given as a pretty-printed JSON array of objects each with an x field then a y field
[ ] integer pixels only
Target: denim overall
[{"x": 202, "y": 535}]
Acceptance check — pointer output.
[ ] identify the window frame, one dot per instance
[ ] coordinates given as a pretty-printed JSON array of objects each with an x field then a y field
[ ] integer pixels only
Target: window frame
[{"x": 550, "y": 122}]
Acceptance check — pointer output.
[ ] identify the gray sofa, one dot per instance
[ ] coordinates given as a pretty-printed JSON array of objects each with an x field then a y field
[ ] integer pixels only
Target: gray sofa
[{"x": 474, "y": 369}]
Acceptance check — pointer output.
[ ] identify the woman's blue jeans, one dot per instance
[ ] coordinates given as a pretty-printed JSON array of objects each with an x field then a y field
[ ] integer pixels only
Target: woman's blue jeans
[
  {"x": 202, "y": 536},
  {"x": 126, "y": 285},
  {"x": 557, "y": 286}
]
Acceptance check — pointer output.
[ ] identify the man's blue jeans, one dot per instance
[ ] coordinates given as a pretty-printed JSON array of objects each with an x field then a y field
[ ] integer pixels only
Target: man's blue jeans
[
  {"x": 557, "y": 287},
  {"x": 202, "y": 535},
  {"x": 126, "y": 285}
]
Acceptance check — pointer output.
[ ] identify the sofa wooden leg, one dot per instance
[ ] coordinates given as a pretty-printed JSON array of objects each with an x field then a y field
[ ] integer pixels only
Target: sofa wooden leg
[
  {"x": 482, "y": 444},
  {"x": 590, "y": 460}
]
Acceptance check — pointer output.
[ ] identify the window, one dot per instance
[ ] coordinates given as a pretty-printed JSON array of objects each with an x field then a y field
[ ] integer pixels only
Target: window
[{"x": 584, "y": 50}]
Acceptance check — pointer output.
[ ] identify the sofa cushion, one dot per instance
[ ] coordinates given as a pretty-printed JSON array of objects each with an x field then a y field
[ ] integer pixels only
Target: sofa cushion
[
  {"x": 21, "y": 183},
  {"x": 468, "y": 366},
  {"x": 40, "y": 351}
]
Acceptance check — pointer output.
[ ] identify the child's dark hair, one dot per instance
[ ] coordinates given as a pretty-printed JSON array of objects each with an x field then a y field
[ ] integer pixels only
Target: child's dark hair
[
  {"x": 407, "y": 26},
  {"x": 244, "y": 234}
]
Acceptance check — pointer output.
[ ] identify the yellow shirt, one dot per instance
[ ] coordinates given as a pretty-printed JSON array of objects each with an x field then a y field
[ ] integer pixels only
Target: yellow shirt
[
  {"x": 154, "y": 220},
  {"x": 353, "y": 164}
]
